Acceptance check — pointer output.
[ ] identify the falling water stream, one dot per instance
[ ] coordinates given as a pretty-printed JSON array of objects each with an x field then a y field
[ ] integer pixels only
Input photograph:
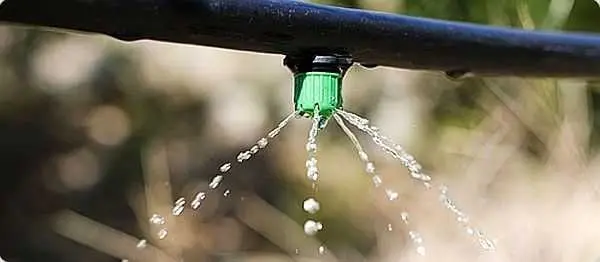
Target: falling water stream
[{"x": 311, "y": 205}]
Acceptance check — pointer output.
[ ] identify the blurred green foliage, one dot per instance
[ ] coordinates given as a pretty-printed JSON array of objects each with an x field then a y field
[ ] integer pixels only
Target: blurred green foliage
[
  {"x": 563, "y": 15},
  {"x": 571, "y": 15}
]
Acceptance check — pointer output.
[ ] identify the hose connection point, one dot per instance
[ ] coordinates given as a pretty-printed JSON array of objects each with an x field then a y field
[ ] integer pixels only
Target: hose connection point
[{"x": 318, "y": 82}]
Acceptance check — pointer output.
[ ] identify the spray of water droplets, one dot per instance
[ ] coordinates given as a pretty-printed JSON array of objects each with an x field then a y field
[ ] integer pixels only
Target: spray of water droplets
[
  {"x": 397, "y": 152},
  {"x": 311, "y": 205},
  {"x": 159, "y": 221},
  {"x": 390, "y": 194},
  {"x": 245, "y": 155},
  {"x": 215, "y": 182}
]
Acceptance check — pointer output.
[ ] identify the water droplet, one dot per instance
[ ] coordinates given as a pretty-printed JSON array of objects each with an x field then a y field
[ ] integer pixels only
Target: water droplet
[
  {"x": 311, "y": 146},
  {"x": 312, "y": 173},
  {"x": 391, "y": 195},
  {"x": 262, "y": 143},
  {"x": 370, "y": 168},
  {"x": 470, "y": 231},
  {"x": 227, "y": 193},
  {"x": 243, "y": 156},
  {"x": 311, "y": 162},
  {"x": 273, "y": 133},
  {"x": 404, "y": 216},
  {"x": 363, "y": 156},
  {"x": 157, "y": 219},
  {"x": 240, "y": 157},
  {"x": 377, "y": 140},
  {"x": 225, "y": 167},
  {"x": 322, "y": 250},
  {"x": 377, "y": 180},
  {"x": 415, "y": 168},
  {"x": 425, "y": 177},
  {"x": 311, "y": 205},
  {"x": 443, "y": 189},
  {"x": 215, "y": 182},
  {"x": 312, "y": 227},
  {"x": 421, "y": 250},
  {"x": 162, "y": 233},
  {"x": 487, "y": 244},
  {"x": 416, "y": 237},
  {"x": 421, "y": 176},
  {"x": 179, "y": 206},
  {"x": 362, "y": 121},
  {"x": 254, "y": 149},
  {"x": 198, "y": 200},
  {"x": 389, "y": 227},
  {"x": 142, "y": 244}
]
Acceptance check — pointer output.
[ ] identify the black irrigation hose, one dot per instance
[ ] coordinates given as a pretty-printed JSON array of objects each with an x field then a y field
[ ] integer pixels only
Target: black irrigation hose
[{"x": 288, "y": 27}]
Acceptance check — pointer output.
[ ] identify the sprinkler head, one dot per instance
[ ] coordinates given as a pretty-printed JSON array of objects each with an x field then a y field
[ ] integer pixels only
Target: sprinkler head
[{"x": 318, "y": 82}]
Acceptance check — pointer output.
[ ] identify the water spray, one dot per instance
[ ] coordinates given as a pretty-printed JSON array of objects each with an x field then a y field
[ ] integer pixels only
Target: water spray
[{"x": 317, "y": 96}]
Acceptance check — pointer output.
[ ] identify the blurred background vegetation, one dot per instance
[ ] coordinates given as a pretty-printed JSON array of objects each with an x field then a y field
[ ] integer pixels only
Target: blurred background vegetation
[{"x": 96, "y": 135}]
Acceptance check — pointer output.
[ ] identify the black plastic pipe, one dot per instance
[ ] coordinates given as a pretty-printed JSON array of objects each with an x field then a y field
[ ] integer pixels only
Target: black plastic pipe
[{"x": 289, "y": 27}]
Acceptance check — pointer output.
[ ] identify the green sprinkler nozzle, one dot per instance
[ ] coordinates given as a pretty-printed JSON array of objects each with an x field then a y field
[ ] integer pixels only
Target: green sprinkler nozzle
[{"x": 318, "y": 82}]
